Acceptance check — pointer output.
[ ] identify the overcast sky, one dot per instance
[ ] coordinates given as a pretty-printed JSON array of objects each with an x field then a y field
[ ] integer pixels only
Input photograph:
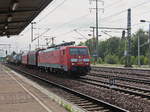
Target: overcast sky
[{"x": 62, "y": 17}]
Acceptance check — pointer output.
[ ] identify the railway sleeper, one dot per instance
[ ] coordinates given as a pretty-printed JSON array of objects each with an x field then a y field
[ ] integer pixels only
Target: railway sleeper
[
  {"x": 98, "y": 109},
  {"x": 86, "y": 103},
  {"x": 79, "y": 101},
  {"x": 90, "y": 106},
  {"x": 107, "y": 105},
  {"x": 130, "y": 92},
  {"x": 133, "y": 93}
]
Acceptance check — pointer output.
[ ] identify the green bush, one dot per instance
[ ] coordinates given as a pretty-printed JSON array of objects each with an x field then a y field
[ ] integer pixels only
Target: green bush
[
  {"x": 122, "y": 60},
  {"x": 133, "y": 60},
  {"x": 99, "y": 60},
  {"x": 111, "y": 59},
  {"x": 143, "y": 60},
  {"x": 146, "y": 61},
  {"x": 92, "y": 60}
]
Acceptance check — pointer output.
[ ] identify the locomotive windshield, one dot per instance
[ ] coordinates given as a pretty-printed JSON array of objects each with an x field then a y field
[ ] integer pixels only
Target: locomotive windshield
[{"x": 78, "y": 51}]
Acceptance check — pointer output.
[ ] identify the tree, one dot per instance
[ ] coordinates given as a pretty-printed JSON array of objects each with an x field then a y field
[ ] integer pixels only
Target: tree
[
  {"x": 112, "y": 50},
  {"x": 143, "y": 38}
]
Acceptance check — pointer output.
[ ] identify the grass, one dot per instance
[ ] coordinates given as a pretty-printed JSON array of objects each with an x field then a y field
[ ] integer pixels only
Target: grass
[{"x": 68, "y": 107}]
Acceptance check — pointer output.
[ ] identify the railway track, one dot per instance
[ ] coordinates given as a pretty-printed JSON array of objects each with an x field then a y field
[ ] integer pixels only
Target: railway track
[
  {"x": 127, "y": 71},
  {"x": 135, "y": 80},
  {"x": 84, "y": 101},
  {"x": 141, "y": 92}
]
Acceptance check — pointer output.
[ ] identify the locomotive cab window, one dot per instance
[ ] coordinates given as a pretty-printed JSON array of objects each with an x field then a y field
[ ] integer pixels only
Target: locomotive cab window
[{"x": 78, "y": 51}]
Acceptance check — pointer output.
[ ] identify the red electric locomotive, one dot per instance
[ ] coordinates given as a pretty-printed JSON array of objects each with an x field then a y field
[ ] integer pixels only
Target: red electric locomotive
[{"x": 64, "y": 57}]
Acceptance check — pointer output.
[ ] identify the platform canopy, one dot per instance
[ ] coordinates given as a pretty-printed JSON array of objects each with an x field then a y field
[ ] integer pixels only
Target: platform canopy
[{"x": 15, "y": 15}]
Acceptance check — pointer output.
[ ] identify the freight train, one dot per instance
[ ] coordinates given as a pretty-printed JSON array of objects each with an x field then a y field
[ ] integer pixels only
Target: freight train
[{"x": 59, "y": 58}]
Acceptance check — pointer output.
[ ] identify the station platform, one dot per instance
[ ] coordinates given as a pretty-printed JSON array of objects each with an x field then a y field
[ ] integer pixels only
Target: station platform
[{"x": 17, "y": 95}]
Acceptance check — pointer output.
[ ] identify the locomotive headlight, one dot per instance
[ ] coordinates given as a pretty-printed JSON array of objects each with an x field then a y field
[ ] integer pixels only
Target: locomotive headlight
[
  {"x": 86, "y": 60},
  {"x": 73, "y": 63},
  {"x": 74, "y": 60}
]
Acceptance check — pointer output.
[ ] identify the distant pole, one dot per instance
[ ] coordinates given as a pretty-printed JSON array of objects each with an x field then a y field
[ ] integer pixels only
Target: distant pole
[
  {"x": 96, "y": 30},
  {"x": 149, "y": 44},
  {"x": 47, "y": 39},
  {"x": 9, "y": 48},
  {"x": 6, "y": 52},
  {"x": 125, "y": 51},
  {"x": 93, "y": 32},
  {"x": 53, "y": 40},
  {"x": 32, "y": 30},
  {"x": 139, "y": 64},
  {"x": 93, "y": 40},
  {"x": 47, "y": 42},
  {"x": 97, "y": 24},
  {"x": 129, "y": 39},
  {"x": 38, "y": 43},
  {"x": 38, "y": 39},
  {"x": 29, "y": 47}
]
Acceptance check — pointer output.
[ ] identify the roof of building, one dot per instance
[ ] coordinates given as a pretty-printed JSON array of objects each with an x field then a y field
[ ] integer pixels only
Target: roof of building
[{"x": 16, "y": 15}]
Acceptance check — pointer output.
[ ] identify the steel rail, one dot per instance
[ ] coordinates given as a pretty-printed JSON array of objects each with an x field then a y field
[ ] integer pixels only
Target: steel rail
[
  {"x": 122, "y": 78},
  {"x": 112, "y": 108},
  {"x": 122, "y": 68},
  {"x": 144, "y": 93}
]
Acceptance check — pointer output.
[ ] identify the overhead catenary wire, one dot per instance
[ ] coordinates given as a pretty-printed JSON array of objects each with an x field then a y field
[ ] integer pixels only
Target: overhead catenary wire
[
  {"x": 48, "y": 13},
  {"x": 104, "y": 17},
  {"x": 133, "y": 7},
  {"x": 115, "y": 14},
  {"x": 125, "y": 10},
  {"x": 51, "y": 11},
  {"x": 50, "y": 5},
  {"x": 112, "y": 4},
  {"x": 65, "y": 33},
  {"x": 115, "y": 20},
  {"x": 41, "y": 34},
  {"x": 53, "y": 29},
  {"x": 140, "y": 4},
  {"x": 68, "y": 22},
  {"x": 44, "y": 16}
]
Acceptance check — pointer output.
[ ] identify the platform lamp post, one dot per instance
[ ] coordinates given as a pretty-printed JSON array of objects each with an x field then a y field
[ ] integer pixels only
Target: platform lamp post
[
  {"x": 148, "y": 38},
  {"x": 32, "y": 30},
  {"x": 32, "y": 23}
]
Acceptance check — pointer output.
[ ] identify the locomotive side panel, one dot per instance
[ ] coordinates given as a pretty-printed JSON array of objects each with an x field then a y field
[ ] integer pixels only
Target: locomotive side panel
[
  {"x": 52, "y": 59},
  {"x": 63, "y": 59}
]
